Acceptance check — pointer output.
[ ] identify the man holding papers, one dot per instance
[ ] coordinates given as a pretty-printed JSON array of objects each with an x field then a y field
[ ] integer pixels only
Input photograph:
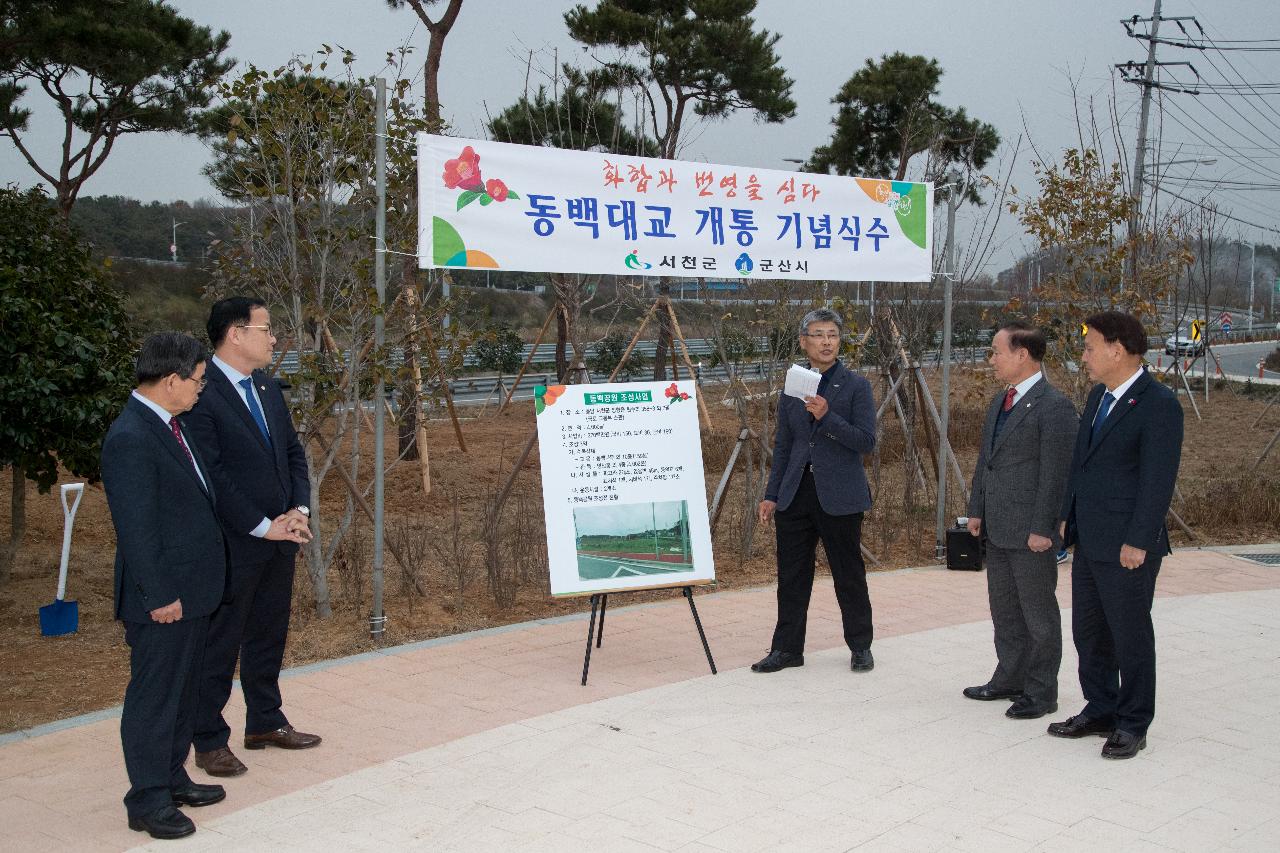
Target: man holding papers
[{"x": 818, "y": 490}]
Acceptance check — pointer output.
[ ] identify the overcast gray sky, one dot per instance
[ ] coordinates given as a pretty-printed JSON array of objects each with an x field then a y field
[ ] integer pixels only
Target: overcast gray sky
[
  {"x": 620, "y": 519},
  {"x": 1009, "y": 62}
]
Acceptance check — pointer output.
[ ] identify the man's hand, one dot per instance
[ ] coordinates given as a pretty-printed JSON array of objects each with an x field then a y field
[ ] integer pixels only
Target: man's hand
[
  {"x": 816, "y": 406},
  {"x": 765, "y": 511},
  {"x": 1131, "y": 557},
  {"x": 301, "y": 523},
  {"x": 1039, "y": 543},
  {"x": 975, "y": 526},
  {"x": 282, "y": 529},
  {"x": 168, "y": 613}
]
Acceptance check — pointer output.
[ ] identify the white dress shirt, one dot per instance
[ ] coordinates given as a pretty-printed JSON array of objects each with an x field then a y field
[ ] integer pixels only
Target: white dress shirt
[
  {"x": 1119, "y": 391},
  {"x": 1024, "y": 386},
  {"x": 236, "y": 377},
  {"x": 163, "y": 414}
]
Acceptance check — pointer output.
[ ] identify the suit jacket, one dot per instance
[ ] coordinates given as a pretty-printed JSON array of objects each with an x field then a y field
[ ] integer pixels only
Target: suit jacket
[
  {"x": 169, "y": 545},
  {"x": 834, "y": 446},
  {"x": 1020, "y": 479},
  {"x": 254, "y": 478},
  {"x": 1119, "y": 489}
]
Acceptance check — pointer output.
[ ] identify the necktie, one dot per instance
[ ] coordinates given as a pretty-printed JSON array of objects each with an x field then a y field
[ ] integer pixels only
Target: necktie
[
  {"x": 1104, "y": 408},
  {"x": 1008, "y": 398},
  {"x": 254, "y": 409},
  {"x": 177, "y": 433}
]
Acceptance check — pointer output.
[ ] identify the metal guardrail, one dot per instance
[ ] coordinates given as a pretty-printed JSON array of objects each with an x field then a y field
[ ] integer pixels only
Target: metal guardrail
[{"x": 545, "y": 353}]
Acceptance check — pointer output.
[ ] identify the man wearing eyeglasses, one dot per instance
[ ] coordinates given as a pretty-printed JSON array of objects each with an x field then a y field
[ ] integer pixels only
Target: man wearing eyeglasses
[
  {"x": 244, "y": 431},
  {"x": 818, "y": 491},
  {"x": 169, "y": 577}
]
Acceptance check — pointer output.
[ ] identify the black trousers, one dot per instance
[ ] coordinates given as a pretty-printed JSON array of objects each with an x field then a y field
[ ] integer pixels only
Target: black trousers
[
  {"x": 799, "y": 527},
  {"x": 1026, "y": 620},
  {"x": 251, "y": 626},
  {"x": 159, "y": 709},
  {"x": 1111, "y": 623}
]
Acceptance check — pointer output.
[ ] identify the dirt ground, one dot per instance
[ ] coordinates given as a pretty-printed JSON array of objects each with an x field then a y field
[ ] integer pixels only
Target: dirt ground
[{"x": 49, "y": 678}]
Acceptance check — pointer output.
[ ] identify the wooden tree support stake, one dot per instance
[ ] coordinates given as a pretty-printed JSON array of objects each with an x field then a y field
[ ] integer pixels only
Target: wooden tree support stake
[
  {"x": 444, "y": 387},
  {"x": 365, "y": 508},
  {"x": 546, "y": 324}
]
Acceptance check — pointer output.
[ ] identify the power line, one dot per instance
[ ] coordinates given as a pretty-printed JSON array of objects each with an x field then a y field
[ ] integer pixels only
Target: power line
[{"x": 1204, "y": 206}]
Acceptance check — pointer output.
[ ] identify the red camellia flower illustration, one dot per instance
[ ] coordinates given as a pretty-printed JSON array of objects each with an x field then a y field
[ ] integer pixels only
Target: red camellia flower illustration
[
  {"x": 671, "y": 391},
  {"x": 464, "y": 172},
  {"x": 684, "y": 396},
  {"x": 496, "y": 188}
]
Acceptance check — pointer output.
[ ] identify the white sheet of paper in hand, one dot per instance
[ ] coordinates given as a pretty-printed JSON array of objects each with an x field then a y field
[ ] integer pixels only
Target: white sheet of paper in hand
[{"x": 801, "y": 382}]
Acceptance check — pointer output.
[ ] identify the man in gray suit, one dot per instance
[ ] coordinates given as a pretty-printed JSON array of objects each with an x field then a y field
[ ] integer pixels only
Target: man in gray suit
[
  {"x": 819, "y": 490},
  {"x": 1017, "y": 493}
]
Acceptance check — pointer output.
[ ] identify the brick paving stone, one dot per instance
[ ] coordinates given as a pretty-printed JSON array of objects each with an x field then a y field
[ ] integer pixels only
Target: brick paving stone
[{"x": 487, "y": 741}]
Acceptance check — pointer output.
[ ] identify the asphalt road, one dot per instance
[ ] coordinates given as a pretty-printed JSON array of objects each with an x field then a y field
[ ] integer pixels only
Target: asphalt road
[
  {"x": 1238, "y": 359},
  {"x": 598, "y": 568}
]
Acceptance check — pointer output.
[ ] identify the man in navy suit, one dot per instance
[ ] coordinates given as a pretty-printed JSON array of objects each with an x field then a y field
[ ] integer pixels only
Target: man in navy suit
[
  {"x": 1122, "y": 476},
  {"x": 818, "y": 490},
  {"x": 170, "y": 570},
  {"x": 243, "y": 429}
]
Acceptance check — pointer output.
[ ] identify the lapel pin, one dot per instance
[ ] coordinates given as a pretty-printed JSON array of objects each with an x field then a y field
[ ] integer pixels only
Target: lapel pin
[
  {"x": 264, "y": 387},
  {"x": 1132, "y": 402}
]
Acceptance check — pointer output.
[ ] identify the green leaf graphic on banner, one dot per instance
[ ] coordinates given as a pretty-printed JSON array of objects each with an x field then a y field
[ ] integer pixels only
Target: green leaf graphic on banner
[
  {"x": 538, "y": 405},
  {"x": 516, "y": 196},
  {"x": 485, "y": 200},
  {"x": 467, "y": 197},
  {"x": 915, "y": 219},
  {"x": 445, "y": 241}
]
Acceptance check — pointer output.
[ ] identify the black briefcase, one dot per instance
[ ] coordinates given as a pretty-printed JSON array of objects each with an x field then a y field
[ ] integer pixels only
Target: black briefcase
[{"x": 964, "y": 550}]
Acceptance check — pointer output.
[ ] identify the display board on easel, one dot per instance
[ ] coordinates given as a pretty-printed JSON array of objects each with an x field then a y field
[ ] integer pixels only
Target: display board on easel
[{"x": 623, "y": 487}]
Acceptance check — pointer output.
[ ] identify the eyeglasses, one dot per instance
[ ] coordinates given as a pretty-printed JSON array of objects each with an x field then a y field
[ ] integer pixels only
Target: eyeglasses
[
  {"x": 266, "y": 328},
  {"x": 822, "y": 337},
  {"x": 202, "y": 381}
]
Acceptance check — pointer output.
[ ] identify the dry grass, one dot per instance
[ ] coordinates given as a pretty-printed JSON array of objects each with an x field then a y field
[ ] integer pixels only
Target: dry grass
[{"x": 49, "y": 678}]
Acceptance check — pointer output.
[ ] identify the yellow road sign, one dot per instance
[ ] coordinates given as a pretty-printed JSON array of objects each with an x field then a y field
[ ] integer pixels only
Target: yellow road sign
[{"x": 1195, "y": 330}]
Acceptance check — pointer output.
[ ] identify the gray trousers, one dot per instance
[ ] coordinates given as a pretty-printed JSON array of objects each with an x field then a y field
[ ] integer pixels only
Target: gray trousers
[{"x": 1028, "y": 623}]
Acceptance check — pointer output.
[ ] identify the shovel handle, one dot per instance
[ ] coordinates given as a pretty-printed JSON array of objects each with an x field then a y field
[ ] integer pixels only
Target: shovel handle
[{"x": 69, "y": 518}]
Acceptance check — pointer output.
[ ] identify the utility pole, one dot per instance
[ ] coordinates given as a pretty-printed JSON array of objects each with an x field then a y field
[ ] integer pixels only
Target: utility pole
[
  {"x": 1140, "y": 156},
  {"x": 1147, "y": 82},
  {"x": 944, "y": 441},
  {"x": 378, "y": 619}
]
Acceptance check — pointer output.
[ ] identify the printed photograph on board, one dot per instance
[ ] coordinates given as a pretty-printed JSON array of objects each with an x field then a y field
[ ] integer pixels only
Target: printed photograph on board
[{"x": 626, "y": 540}]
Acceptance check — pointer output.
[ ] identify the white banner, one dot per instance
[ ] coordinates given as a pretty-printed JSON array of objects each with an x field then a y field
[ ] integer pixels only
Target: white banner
[
  {"x": 491, "y": 205},
  {"x": 622, "y": 486}
]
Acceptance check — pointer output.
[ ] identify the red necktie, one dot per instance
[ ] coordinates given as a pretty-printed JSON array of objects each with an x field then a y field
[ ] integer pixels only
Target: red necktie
[
  {"x": 1008, "y": 399},
  {"x": 177, "y": 433}
]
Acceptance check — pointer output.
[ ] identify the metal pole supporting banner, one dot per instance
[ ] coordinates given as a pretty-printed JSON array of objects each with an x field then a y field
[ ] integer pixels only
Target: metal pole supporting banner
[
  {"x": 377, "y": 619},
  {"x": 948, "y": 281}
]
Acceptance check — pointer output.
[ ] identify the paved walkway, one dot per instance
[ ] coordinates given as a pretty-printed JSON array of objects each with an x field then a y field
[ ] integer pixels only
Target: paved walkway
[{"x": 487, "y": 741}]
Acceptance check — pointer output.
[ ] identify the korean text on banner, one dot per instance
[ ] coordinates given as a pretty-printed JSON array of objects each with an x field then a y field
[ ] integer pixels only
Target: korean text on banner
[
  {"x": 622, "y": 486},
  {"x": 492, "y": 205}
]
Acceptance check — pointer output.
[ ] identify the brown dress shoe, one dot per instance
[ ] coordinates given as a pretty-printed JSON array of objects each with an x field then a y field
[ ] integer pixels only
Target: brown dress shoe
[
  {"x": 285, "y": 738},
  {"x": 220, "y": 762}
]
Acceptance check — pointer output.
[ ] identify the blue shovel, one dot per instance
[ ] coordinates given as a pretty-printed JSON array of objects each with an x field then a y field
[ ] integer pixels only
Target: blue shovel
[{"x": 62, "y": 616}]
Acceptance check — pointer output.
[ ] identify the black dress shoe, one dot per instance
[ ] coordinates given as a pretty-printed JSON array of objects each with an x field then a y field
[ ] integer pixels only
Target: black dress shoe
[
  {"x": 985, "y": 693},
  {"x": 862, "y": 661},
  {"x": 1027, "y": 709},
  {"x": 165, "y": 822},
  {"x": 776, "y": 660},
  {"x": 1080, "y": 726},
  {"x": 195, "y": 794},
  {"x": 1123, "y": 745}
]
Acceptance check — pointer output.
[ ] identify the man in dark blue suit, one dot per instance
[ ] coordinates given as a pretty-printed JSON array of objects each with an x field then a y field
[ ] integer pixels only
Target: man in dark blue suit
[
  {"x": 818, "y": 490},
  {"x": 243, "y": 429},
  {"x": 1122, "y": 476},
  {"x": 170, "y": 570}
]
